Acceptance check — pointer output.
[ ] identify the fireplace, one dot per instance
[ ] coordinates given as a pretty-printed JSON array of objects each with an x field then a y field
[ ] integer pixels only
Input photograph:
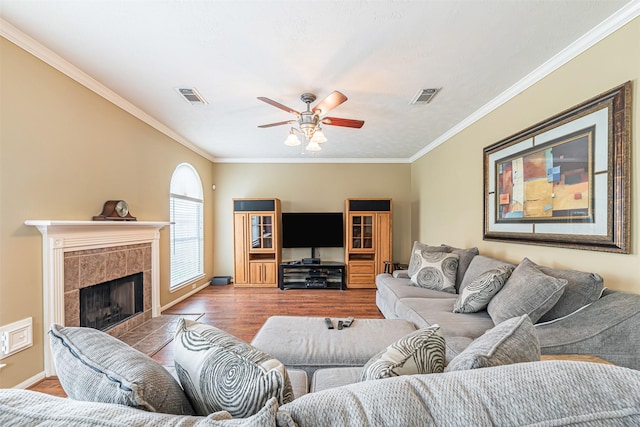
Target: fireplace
[
  {"x": 80, "y": 254},
  {"x": 107, "y": 304}
]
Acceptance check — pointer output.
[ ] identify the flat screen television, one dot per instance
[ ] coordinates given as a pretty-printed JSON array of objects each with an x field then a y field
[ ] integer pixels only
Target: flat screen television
[{"x": 312, "y": 230}]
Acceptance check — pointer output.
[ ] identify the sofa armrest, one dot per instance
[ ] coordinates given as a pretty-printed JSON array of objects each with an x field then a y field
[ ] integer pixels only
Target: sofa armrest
[
  {"x": 401, "y": 274},
  {"x": 564, "y": 393},
  {"x": 608, "y": 328}
]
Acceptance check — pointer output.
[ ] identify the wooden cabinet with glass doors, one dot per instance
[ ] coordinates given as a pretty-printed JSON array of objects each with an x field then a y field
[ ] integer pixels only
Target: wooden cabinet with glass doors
[
  {"x": 257, "y": 247},
  {"x": 368, "y": 240}
]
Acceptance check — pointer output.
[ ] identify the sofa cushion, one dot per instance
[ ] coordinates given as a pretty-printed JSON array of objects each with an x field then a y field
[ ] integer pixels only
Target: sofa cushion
[
  {"x": 30, "y": 408},
  {"x": 582, "y": 288},
  {"x": 437, "y": 271},
  {"x": 420, "y": 352},
  {"x": 512, "y": 341},
  {"x": 416, "y": 255},
  {"x": 395, "y": 289},
  {"x": 299, "y": 382},
  {"x": 478, "y": 265},
  {"x": 220, "y": 372},
  {"x": 477, "y": 294},
  {"x": 390, "y": 292},
  {"x": 327, "y": 378},
  {"x": 466, "y": 256},
  {"x": 428, "y": 312},
  {"x": 539, "y": 393},
  {"x": 94, "y": 366},
  {"x": 528, "y": 291}
]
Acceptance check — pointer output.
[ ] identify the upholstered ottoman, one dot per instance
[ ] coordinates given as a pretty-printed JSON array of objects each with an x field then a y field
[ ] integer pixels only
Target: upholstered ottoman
[{"x": 306, "y": 342}]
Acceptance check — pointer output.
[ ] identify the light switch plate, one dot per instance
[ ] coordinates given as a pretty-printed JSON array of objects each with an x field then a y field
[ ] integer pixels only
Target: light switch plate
[{"x": 15, "y": 337}]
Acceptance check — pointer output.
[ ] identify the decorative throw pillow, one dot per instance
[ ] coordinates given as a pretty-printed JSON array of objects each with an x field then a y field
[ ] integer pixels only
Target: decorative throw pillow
[
  {"x": 96, "y": 367},
  {"x": 513, "y": 341},
  {"x": 465, "y": 257},
  {"x": 420, "y": 352},
  {"x": 220, "y": 372},
  {"x": 437, "y": 271},
  {"x": 582, "y": 288},
  {"x": 416, "y": 255},
  {"x": 478, "y": 265},
  {"x": 477, "y": 294},
  {"x": 527, "y": 291}
]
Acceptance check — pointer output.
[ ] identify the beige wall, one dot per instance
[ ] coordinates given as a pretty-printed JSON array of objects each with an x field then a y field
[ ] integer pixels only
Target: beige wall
[
  {"x": 447, "y": 183},
  {"x": 308, "y": 188},
  {"x": 63, "y": 151}
]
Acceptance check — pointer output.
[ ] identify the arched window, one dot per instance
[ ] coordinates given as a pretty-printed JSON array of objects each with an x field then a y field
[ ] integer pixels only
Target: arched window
[{"x": 187, "y": 236}]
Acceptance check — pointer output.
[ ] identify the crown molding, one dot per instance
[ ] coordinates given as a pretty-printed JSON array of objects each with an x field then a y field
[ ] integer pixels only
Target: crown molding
[
  {"x": 613, "y": 23},
  {"x": 623, "y": 16},
  {"x": 309, "y": 160},
  {"x": 46, "y": 55}
]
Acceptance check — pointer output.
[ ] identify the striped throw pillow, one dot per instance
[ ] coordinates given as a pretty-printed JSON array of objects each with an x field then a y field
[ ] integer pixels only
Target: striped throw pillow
[
  {"x": 220, "y": 372},
  {"x": 477, "y": 294},
  {"x": 420, "y": 352}
]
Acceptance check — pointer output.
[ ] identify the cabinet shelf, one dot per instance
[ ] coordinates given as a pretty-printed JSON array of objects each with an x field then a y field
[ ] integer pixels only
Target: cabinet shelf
[
  {"x": 326, "y": 275},
  {"x": 256, "y": 242},
  {"x": 368, "y": 240}
]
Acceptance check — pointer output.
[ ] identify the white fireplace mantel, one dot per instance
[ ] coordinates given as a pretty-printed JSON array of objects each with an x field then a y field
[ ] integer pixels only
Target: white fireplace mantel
[{"x": 59, "y": 237}]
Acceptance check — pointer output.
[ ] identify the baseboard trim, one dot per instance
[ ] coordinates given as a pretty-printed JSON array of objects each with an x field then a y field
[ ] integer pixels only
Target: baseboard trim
[
  {"x": 31, "y": 381},
  {"x": 183, "y": 297}
]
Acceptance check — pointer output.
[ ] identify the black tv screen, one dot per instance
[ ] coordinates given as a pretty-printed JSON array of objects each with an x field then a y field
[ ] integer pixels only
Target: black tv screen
[{"x": 312, "y": 230}]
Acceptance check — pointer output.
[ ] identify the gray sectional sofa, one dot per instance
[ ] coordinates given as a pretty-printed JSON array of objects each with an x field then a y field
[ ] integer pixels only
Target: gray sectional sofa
[
  {"x": 585, "y": 318},
  {"x": 474, "y": 360}
]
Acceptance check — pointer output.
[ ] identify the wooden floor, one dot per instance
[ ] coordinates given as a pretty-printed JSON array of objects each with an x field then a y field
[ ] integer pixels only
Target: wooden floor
[{"x": 242, "y": 311}]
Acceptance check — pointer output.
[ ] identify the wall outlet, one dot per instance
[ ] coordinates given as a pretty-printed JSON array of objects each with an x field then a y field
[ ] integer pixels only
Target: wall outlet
[{"x": 16, "y": 337}]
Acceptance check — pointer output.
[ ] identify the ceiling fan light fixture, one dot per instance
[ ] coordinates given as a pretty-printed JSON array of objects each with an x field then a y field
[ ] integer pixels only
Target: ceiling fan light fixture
[
  {"x": 309, "y": 121},
  {"x": 313, "y": 146},
  {"x": 318, "y": 136},
  {"x": 292, "y": 140}
]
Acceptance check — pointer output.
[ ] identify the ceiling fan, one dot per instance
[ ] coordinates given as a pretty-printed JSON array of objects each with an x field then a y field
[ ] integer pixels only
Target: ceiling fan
[{"x": 309, "y": 121}]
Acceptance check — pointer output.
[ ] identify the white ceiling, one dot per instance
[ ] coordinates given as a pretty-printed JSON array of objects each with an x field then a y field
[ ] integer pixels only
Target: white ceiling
[{"x": 378, "y": 53}]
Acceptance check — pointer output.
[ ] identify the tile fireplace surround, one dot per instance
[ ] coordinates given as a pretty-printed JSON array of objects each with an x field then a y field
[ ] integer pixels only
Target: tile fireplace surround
[{"x": 78, "y": 254}]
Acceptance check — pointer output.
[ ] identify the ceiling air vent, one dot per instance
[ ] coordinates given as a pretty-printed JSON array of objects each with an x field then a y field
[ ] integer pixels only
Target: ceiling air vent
[
  {"x": 192, "y": 96},
  {"x": 424, "y": 96}
]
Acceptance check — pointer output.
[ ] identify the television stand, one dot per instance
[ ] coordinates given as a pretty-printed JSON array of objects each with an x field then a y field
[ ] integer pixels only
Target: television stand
[
  {"x": 313, "y": 259},
  {"x": 324, "y": 275}
]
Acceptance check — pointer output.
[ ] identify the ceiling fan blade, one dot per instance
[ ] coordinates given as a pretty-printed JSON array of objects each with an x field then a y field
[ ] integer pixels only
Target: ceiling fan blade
[
  {"x": 277, "y": 124},
  {"x": 350, "y": 123},
  {"x": 334, "y": 99},
  {"x": 278, "y": 105}
]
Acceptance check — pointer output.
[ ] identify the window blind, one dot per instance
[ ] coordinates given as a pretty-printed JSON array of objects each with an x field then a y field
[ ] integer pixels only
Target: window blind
[{"x": 187, "y": 239}]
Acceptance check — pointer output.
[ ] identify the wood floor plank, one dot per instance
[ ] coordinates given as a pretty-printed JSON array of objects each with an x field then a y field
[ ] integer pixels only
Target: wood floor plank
[{"x": 242, "y": 311}]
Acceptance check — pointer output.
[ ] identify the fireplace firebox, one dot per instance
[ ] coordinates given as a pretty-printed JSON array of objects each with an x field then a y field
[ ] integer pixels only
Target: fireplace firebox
[{"x": 107, "y": 304}]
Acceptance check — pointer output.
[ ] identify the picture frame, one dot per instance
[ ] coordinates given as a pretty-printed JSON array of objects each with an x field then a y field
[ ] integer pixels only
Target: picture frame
[{"x": 565, "y": 181}]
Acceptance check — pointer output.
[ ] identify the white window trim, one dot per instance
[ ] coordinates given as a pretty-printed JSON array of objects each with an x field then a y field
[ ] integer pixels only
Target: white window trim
[
  {"x": 191, "y": 282},
  {"x": 200, "y": 274}
]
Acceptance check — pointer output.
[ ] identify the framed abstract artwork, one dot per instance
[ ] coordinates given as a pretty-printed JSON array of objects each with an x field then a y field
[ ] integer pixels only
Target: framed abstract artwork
[{"x": 565, "y": 181}]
